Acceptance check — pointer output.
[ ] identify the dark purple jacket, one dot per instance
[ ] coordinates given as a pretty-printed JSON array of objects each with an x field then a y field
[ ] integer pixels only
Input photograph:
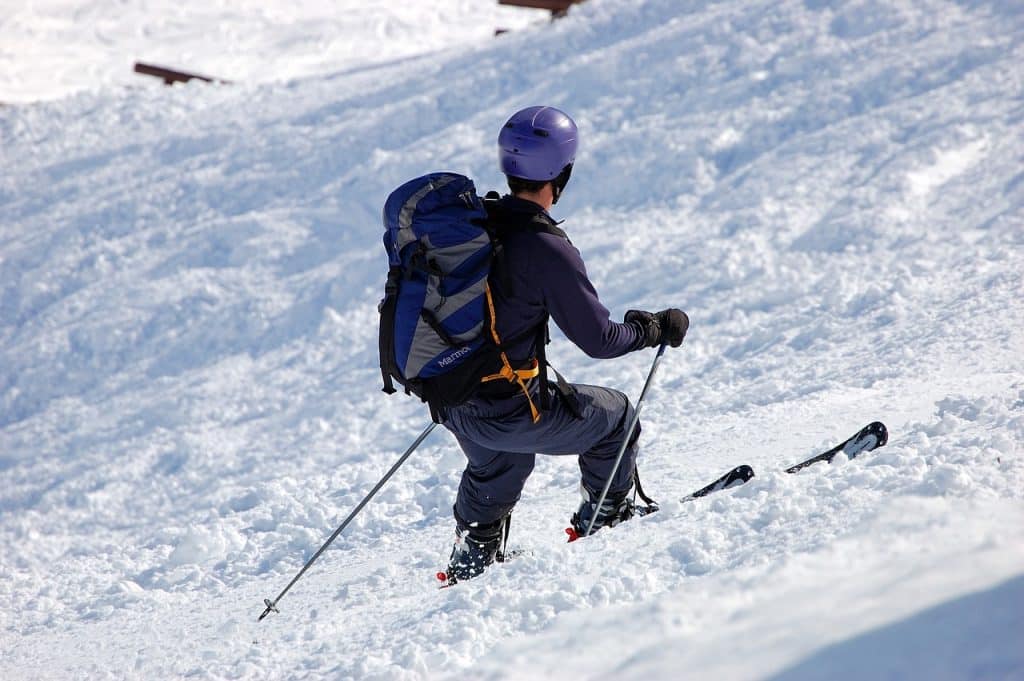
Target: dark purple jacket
[{"x": 541, "y": 273}]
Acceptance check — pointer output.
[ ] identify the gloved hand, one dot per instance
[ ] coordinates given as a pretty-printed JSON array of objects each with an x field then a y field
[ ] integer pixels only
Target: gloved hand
[{"x": 668, "y": 326}]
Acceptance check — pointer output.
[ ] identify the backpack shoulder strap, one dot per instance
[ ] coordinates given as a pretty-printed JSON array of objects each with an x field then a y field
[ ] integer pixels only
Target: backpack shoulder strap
[
  {"x": 500, "y": 218},
  {"x": 542, "y": 222}
]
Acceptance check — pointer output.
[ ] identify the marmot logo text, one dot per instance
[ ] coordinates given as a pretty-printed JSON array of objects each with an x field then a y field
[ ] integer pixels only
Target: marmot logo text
[{"x": 445, "y": 361}]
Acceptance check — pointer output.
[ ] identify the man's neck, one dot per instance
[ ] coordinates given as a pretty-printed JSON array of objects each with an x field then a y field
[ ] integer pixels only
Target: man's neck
[{"x": 543, "y": 198}]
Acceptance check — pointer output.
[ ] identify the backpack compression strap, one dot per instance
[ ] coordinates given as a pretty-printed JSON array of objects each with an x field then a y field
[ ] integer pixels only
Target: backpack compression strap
[
  {"x": 386, "y": 336},
  {"x": 511, "y": 375}
]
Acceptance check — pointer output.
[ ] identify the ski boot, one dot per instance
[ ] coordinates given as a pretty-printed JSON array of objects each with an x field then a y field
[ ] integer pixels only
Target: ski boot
[
  {"x": 616, "y": 508},
  {"x": 476, "y": 547}
]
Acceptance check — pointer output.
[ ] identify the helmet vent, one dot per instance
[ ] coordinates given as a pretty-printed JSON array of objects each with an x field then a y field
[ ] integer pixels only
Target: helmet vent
[{"x": 541, "y": 133}]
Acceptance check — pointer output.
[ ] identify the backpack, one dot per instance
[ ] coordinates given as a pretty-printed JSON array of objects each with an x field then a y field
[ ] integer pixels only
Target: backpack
[{"x": 437, "y": 330}]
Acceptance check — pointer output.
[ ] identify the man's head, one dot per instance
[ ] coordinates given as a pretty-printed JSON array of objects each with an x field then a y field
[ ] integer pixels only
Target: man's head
[{"x": 536, "y": 148}]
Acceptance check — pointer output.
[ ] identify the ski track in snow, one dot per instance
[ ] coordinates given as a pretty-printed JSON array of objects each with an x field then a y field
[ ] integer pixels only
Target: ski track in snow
[{"x": 189, "y": 398}]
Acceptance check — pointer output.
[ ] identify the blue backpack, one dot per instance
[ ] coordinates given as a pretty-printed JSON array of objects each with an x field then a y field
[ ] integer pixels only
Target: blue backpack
[{"x": 437, "y": 333}]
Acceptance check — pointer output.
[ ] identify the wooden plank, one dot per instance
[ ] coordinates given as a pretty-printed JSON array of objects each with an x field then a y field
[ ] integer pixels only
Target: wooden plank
[
  {"x": 170, "y": 76},
  {"x": 556, "y": 6}
]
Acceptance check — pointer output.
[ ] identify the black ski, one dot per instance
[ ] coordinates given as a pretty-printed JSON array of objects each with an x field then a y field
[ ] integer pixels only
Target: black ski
[
  {"x": 737, "y": 476},
  {"x": 871, "y": 436}
]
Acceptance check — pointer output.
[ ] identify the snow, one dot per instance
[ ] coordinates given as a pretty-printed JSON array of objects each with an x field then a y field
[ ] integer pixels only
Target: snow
[
  {"x": 52, "y": 49},
  {"x": 189, "y": 398}
]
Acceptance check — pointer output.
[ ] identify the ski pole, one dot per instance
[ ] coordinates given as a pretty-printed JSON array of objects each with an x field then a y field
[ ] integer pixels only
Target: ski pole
[
  {"x": 629, "y": 435},
  {"x": 272, "y": 604}
]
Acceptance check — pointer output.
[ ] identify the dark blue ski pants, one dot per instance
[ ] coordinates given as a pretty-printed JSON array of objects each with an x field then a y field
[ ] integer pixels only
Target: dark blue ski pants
[{"x": 500, "y": 441}]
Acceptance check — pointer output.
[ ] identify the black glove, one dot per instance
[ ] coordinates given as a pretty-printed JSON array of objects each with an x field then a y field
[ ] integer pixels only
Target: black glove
[{"x": 668, "y": 326}]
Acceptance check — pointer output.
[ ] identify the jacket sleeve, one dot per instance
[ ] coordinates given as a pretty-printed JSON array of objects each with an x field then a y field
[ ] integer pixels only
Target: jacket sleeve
[{"x": 573, "y": 303}]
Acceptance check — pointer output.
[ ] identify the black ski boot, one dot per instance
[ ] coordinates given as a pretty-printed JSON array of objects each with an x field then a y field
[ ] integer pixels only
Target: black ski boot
[
  {"x": 617, "y": 507},
  {"x": 476, "y": 547}
]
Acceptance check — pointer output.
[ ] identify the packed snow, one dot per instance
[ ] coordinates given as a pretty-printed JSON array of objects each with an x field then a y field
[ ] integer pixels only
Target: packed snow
[
  {"x": 50, "y": 49},
  {"x": 189, "y": 395}
]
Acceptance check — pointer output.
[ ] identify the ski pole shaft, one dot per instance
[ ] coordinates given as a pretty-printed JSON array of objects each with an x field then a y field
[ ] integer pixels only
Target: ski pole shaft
[
  {"x": 272, "y": 604},
  {"x": 628, "y": 437}
]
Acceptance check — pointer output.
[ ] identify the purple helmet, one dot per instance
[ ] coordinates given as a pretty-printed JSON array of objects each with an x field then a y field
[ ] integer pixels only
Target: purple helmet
[{"x": 537, "y": 143}]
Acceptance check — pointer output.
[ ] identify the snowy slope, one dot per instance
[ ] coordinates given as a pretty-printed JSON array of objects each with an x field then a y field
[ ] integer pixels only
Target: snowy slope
[
  {"x": 189, "y": 397},
  {"x": 52, "y": 48}
]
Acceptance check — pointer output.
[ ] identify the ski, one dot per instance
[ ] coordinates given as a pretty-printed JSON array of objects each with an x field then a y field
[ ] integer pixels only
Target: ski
[
  {"x": 871, "y": 436},
  {"x": 737, "y": 476}
]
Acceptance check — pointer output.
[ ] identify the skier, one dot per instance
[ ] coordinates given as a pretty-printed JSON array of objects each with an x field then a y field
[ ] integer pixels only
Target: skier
[{"x": 538, "y": 275}]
